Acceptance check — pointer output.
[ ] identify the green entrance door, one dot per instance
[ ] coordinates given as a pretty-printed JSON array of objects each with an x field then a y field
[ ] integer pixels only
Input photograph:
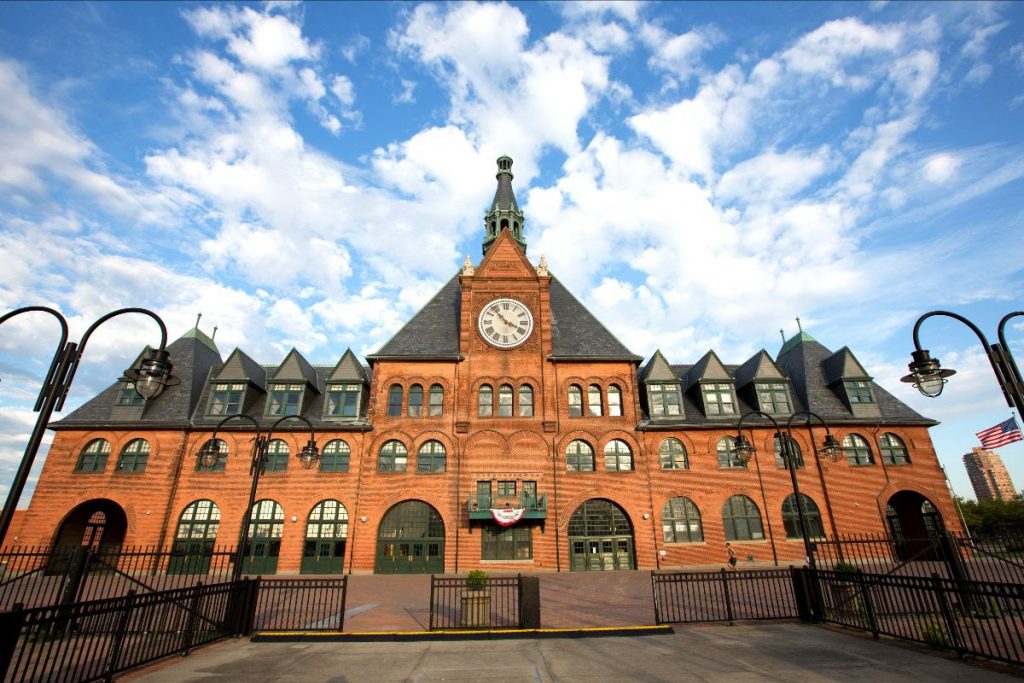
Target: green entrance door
[
  {"x": 194, "y": 538},
  {"x": 326, "y": 531},
  {"x": 410, "y": 540},
  {"x": 262, "y": 547},
  {"x": 600, "y": 538}
]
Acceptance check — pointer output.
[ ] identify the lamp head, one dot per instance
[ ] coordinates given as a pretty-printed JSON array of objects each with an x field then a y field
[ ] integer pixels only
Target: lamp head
[
  {"x": 309, "y": 455},
  {"x": 210, "y": 453},
  {"x": 926, "y": 373},
  {"x": 831, "y": 448},
  {"x": 154, "y": 374},
  {"x": 743, "y": 450}
]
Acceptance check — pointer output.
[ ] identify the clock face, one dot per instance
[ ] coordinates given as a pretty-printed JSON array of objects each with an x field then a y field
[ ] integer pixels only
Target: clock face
[{"x": 505, "y": 323}]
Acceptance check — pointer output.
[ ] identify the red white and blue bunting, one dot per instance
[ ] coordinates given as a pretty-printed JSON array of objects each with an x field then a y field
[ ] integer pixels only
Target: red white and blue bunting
[{"x": 507, "y": 516}]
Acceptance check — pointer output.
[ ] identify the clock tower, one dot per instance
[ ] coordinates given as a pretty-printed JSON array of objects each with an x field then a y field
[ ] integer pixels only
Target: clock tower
[{"x": 505, "y": 214}]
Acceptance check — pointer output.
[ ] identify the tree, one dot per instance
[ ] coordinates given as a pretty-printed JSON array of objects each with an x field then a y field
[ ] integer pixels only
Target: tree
[{"x": 993, "y": 517}]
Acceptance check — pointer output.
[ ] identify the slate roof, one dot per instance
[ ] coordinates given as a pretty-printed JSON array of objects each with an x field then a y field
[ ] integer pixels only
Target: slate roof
[
  {"x": 504, "y": 196},
  {"x": 192, "y": 359},
  {"x": 577, "y": 334},
  {"x": 433, "y": 332}
]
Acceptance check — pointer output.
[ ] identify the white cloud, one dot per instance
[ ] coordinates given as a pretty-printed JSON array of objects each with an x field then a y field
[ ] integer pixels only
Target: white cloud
[
  {"x": 940, "y": 168},
  {"x": 772, "y": 176},
  {"x": 679, "y": 55}
]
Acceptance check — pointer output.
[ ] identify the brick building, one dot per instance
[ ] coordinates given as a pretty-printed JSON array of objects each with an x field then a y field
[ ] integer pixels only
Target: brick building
[
  {"x": 988, "y": 475},
  {"x": 502, "y": 427}
]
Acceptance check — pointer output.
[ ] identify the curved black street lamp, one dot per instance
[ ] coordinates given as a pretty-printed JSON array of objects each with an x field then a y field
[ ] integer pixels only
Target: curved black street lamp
[
  {"x": 151, "y": 378},
  {"x": 209, "y": 454},
  {"x": 744, "y": 451},
  {"x": 929, "y": 376}
]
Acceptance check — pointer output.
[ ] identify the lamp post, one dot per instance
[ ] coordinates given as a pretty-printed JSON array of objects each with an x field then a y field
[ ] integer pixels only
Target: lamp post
[
  {"x": 210, "y": 454},
  {"x": 744, "y": 450},
  {"x": 151, "y": 378},
  {"x": 928, "y": 376}
]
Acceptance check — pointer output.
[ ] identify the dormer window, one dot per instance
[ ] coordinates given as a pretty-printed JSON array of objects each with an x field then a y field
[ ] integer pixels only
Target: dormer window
[
  {"x": 226, "y": 399},
  {"x": 342, "y": 400},
  {"x": 773, "y": 397},
  {"x": 665, "y": 400},
  {"x": 859, "y": 391},
  {"x": 128, "y": 396},
  {"x": 285, "y": 399},
  {"x": 718, "y": 398}
]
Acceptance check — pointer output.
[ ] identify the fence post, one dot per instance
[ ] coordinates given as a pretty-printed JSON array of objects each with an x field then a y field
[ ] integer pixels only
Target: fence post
[
  {"x": 869, "y": 608},
  {"x": 11, "y": 624},
  {"x": 344, "y": 600},
  {"x": 947, "y": 615},
  {"x": 193, "y": 617},
  {"x": 728, "y": 597},
  {"x": 119, "y": 633},
  {"x": 431, "y": 627},
  {"x": 802, "y": 593},
  {"x": 76, "y": 575},
  {"x": 529, "y": 601},
  {"x": 957, "y": 570},
  {"x": 654, "y": 598}
]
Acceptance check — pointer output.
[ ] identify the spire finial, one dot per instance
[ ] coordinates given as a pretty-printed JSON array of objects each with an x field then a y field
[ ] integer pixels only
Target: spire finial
[
  {"x": 199, "y": 316},
  {"x": 542, "y": 267},
  {"x": 214, "y": 335},
  {"x": 467, "y": 266},
  {"x": 783, "y": 335},
  {"x": 798, "y": 325}
]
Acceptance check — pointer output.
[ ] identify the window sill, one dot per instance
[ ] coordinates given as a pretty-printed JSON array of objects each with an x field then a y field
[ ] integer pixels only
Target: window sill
[
  {"x": 684, "y": 544},
  {"x": 861, "y": 464},
  {"x": 750, "y": 541},
  {"x": 530, "y": 561}
]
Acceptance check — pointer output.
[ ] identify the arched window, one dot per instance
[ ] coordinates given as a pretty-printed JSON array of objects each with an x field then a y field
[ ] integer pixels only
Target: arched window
[
  {"x": 525, "y": 401},
  {"x": 134, "y": 456},
  {"x": 680, "y": 522},
  {"x": 672, "y": 454},
  {"x": 326, "y": 531},
  {"x": 335, "y": 456},
  {"x": 277, "y": 456},
  {"x": 894, "y": 451},
  {"x": 263, "y": 545},
  {"x": 726, "y": 457},
  {"x": 857, "y": 449},
  {"x": 395, "y": 400},
  {"x": 431, "y": 457},
  {"x": 393, "y": 457},
  {"x": 415, "y": 400},
  {"x": 617, "y": 456},
  {"x": 505, "y": 400},
  {"x": 222, "y": 458},
  {"x": 594, "y": 401},
  {"x": 485, "y": 401},
  {"x": 93, "y": 457},
  {"x": 327, "y": 519},
  {"x": 742, "y": 520},
  {"x": 794, "y": 450},
  {"x": 791, "y": 519},
  {"x": 614, "y": 401},
  {"x": 200, "y": 520},
  {"x": 579, "y": 457},
  {"x": 575, "y": 401},
  {"x": 436, "y": 406}
]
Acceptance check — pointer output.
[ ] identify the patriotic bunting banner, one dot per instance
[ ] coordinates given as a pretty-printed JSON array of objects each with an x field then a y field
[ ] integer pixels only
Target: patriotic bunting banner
[
  {"x": 1000, "y": 435},
  {"x": 507, "y": 516}
]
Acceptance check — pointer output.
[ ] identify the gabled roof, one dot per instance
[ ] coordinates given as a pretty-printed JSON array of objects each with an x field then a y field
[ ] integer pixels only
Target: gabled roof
[
  {"x": 799, "y": 338},
  {"x": 709, "y": 367},
  {"x": 760, "y": 366},
  {"x": 191, "y": 360},
  {"x": 348, "y": 369},
  {"x": 843, "y": 365},
  {"x": 241, "y": 368},
  {"x": 203, "y": 338},
  {"x": 295, "y": 368},
  {"x": 658, "y": 369},
  {"x": 577, "y": 335},
  {"x": 433, "y": 332}
]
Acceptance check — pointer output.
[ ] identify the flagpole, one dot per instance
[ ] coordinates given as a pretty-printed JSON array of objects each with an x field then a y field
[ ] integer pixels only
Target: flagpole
[{"x": 956, "y": 503}]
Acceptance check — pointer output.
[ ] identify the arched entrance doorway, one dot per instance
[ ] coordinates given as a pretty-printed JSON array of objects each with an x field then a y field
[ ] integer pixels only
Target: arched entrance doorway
[
  {"x": 263, "y": 546},
  {"x": 410, "y": 540},
  {"x": 600, "y": 538},
  {"x": 326, "y": 531},
  {"x": 194, "y": 538},
  {"x": 915, "y": 525},
  {"x": 95, "y": 524}
]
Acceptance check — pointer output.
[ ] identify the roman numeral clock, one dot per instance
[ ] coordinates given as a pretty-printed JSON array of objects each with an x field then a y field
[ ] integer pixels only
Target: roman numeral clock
[{"x": 505, "y": 323}]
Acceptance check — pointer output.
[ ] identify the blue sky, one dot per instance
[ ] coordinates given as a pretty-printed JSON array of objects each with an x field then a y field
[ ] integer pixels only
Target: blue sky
[{"x": 698, "y": 174}]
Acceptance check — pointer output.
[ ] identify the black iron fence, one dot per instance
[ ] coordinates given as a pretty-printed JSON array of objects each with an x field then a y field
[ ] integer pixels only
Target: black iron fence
[
  {"x": 301, "y": 605},
  {"x": 688, "y": 597},
  {"x": 978, "y": 618},
  {"x": 96, "y": 639},
  {"x": 464, "y": 603}
]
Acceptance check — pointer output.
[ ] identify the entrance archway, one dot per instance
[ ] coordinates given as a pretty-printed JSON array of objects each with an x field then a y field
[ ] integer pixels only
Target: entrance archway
[
  {"x": 326, "y": 531},
  {"x": 98, "y": 523},
  {"x": 915, "y": 525},
  {"x": 410, "y": 540},
  {"x": 600, "y": 538}
]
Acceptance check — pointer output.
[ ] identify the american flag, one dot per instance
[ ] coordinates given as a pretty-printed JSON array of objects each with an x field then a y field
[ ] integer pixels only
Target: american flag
[{"x": 1000, "y": 435}]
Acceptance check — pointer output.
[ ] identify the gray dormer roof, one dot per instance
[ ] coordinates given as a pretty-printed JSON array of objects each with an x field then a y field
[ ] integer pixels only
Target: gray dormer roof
[
  {"x": 760, "y": 366},
  {"x": 295, "y": 368},
  {"x": 349, "y": 369},
  {"x": 844, "y": 365},
  {"x": 708, "y": 369},
  {"x": 241, "y": 368},
  {"x": 658, "y": 370}
]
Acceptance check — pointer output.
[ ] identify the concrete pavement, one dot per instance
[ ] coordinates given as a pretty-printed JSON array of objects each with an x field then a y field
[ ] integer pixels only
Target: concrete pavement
[{"x": 761, "y": 652}]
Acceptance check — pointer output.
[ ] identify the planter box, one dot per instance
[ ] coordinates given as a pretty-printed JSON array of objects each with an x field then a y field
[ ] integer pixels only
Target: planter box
[{"x": 476, "y": 609}]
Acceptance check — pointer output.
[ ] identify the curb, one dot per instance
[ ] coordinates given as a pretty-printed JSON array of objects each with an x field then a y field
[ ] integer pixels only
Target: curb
[{"x": 494, "y": 634}]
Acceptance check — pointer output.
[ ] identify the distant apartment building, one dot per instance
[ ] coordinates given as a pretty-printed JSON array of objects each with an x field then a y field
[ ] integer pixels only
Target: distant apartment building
[{"x": 988, "y": 475}]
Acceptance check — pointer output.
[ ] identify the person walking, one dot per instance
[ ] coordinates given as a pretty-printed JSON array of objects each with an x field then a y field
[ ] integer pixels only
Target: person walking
[{"x": 731, "y": 554}]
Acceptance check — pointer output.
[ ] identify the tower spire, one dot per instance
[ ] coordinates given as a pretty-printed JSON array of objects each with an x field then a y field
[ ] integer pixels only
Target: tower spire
[{"x": 504, "y": 213}]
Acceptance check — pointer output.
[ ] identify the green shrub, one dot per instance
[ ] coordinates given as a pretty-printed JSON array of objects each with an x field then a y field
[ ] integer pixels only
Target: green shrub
[
  {"x": 933, "y": 633},
  {"x": 846, "y": 568},
  {"x": 477, "y": 580}
]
